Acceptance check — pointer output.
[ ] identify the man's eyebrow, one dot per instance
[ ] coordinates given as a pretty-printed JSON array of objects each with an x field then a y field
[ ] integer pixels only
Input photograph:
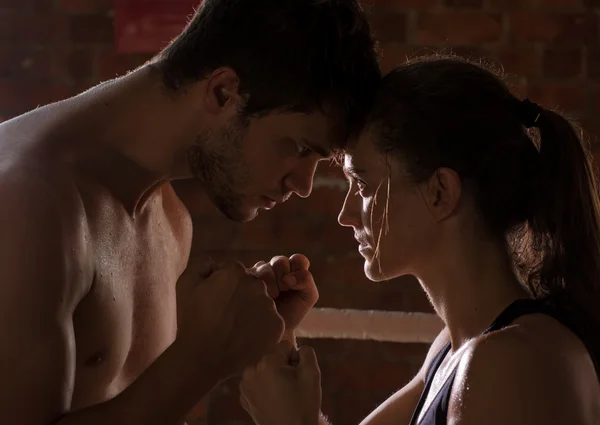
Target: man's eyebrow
[{"x": 320, "y": 150}]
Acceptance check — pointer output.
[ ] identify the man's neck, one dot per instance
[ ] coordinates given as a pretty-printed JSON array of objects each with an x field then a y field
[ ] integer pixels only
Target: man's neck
[{"x": 141, "y": 137}]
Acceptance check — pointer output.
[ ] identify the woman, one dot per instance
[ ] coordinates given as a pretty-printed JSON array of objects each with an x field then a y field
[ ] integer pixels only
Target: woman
[{"x": 492, "y": 204}]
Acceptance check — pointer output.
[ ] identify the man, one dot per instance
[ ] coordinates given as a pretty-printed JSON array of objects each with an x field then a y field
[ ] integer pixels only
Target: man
[{"x": 245, "y": 102}]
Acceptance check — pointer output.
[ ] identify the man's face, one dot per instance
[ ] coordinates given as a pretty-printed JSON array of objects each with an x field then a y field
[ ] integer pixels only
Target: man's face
[{"x": 250, "y": 164}]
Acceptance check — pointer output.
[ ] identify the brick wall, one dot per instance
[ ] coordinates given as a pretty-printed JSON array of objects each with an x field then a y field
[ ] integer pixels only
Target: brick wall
[{"x": 51, "y": 49}]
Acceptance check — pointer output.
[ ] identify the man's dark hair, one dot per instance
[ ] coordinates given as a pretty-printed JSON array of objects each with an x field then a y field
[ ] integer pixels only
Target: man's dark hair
[{"x": 290, "y": 55}]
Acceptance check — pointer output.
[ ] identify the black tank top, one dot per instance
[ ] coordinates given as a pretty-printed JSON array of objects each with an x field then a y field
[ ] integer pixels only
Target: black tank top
[{"x": 437, "y": 412}]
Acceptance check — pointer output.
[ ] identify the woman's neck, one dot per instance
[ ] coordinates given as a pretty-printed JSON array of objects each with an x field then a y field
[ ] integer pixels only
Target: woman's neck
[{"x": 471, "y": 283}]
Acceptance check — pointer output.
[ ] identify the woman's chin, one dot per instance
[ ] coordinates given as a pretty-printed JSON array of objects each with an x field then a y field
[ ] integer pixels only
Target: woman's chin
[
  {"x": 379, "y": 271},
  {"x": 373, "y": 271}
]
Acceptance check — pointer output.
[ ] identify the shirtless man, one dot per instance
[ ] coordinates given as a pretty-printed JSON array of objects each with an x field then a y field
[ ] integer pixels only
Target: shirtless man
[{"x": 100, "y": 324}]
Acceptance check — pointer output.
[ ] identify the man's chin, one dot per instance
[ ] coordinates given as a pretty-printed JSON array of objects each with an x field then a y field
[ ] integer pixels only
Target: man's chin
[
  {"x": 249, "y": 216},
  {"x": 240, "y": 215}
]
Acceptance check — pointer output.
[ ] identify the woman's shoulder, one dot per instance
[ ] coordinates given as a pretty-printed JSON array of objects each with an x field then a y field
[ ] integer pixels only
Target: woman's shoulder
[{"x": 535, "y": 371}]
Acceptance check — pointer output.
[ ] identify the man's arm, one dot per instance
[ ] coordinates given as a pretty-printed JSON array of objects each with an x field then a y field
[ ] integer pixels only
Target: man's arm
[
  {"x": 41, "y": 281},
  {"x": 43, "y": 276}
]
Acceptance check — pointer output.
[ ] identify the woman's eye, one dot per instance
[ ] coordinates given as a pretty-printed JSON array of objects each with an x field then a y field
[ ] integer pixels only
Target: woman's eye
[{"x": 361, "y": 186}]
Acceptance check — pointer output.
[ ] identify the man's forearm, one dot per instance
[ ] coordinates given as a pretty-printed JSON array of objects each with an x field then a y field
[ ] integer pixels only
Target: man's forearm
[{"x": 162, "y": 395}]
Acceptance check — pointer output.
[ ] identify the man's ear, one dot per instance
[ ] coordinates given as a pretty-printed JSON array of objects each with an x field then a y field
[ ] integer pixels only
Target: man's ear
[
  {"x": 222, "y": 91},
  {"x": 442, "y": 193}
]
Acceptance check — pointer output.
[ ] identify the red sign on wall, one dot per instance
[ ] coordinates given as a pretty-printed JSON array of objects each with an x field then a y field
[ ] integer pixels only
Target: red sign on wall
[{"x": 149, "y": 25}]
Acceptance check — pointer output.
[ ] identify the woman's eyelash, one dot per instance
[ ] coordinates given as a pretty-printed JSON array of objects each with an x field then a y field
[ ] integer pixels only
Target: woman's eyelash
[{"x": 361, "y": 185}]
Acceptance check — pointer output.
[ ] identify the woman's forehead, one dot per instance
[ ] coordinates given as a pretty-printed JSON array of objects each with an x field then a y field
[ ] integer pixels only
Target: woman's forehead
[{"x": 363, "y": 155}]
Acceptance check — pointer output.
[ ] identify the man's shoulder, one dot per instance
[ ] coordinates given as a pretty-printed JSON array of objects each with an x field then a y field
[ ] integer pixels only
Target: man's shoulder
[
  {"x": 41, "y": 205},
  {"x": 44, "y": 232}
]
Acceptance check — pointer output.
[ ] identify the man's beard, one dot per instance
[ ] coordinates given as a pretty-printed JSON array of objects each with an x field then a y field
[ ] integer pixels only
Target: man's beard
[{"x": 218, "y": 163}]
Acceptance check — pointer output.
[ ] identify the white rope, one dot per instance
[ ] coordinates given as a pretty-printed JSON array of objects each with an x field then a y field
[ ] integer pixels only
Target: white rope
[{"x": 391, "y": 326}]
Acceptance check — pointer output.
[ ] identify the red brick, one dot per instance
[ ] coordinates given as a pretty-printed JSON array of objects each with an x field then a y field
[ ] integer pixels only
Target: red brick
[
  {"x": 27, "y": 5},
  {"x": 216, "y": 233},
  {"x": 32, "y": 27},
  {"x": 560, "y": 4},
  {"x": 84, "y": 6},
  {"x": 464, "y": 27},
  {"x": 296, "y": 206},
  {"x": 564, "y": 96},
  {"x": 388, "y": 25},
  {"x": 340, "y": 278},
  {"x": 25, "y": 62},
  {"x": 504, "y": 5},
  {"x": 112, "y": 64},
  {"x": 464, "y": 3},
  {"x": 593, "y": 63},
  {"x": 573, "y": 28},
  {"x": 324, "y": 201},
  {"x": 343, "y": 284},
  {"x": 319, "y": 235},
  {"x": 395, "y": 54},
  {"x": 329, "y": 168},
  {"x": 562, "y": 62},
  {"x": 91, "y": 29},
  {"x": 475, "y": 53},
  {"x": 298, "y": 233},
  {"x": 402, "y": 5},
  {"x": 338, "y": 238},
  {"x": 357, "y": 376},
  {"x": 263, "y": 233},
  {"x": 78, "y": 88},
  {"x": 199, "y": 413},
  {"x": 522, "y": 60},
  {"x": 75, "y": 64},
  {"x": 566, "y": 5},
  {"x": 20, "y": 97}
]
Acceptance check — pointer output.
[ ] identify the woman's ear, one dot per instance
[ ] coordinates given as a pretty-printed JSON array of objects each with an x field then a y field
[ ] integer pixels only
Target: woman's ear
[{"x": 442, "y": 193}]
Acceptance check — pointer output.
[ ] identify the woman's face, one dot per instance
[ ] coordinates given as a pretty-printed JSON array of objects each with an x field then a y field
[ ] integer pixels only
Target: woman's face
[{"x": 387, "y": 211}]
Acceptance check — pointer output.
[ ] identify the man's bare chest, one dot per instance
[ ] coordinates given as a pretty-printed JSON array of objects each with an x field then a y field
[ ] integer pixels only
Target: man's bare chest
[{"x": 129, "y": 316}]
